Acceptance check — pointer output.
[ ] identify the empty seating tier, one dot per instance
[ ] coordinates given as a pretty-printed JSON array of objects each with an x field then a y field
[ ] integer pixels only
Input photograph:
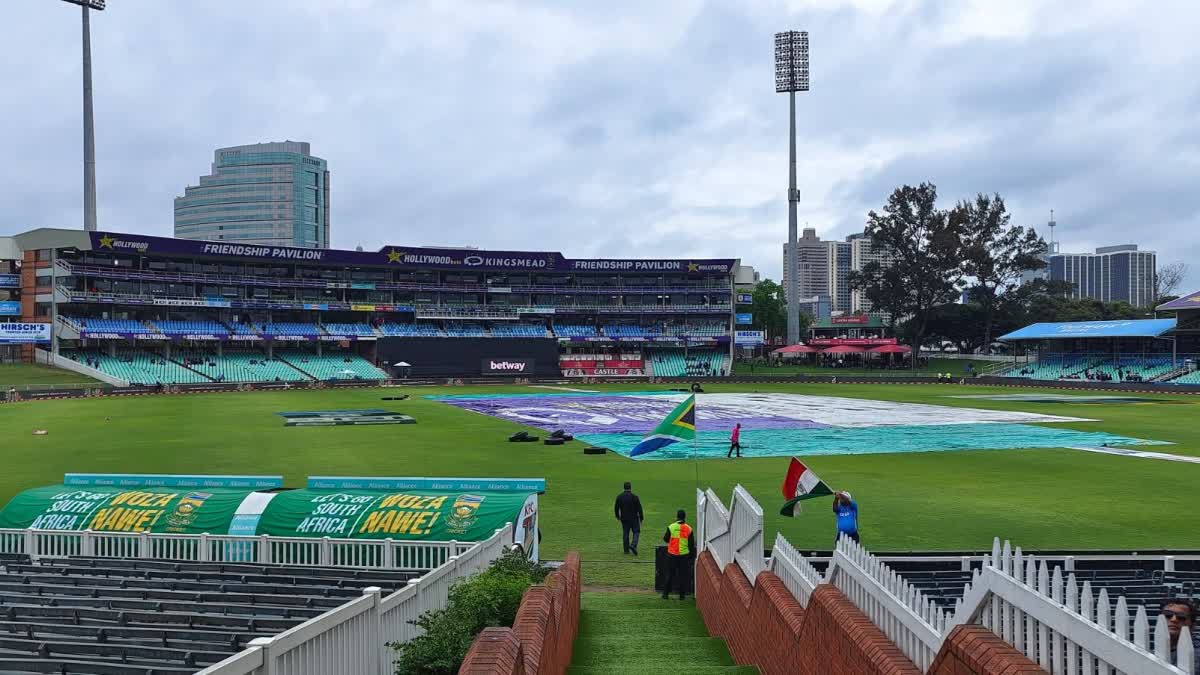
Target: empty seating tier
[
  {"x": 336, "y": 366},
  {"x": 85, "y": 615},
  {"x": 359, "y": 329}
]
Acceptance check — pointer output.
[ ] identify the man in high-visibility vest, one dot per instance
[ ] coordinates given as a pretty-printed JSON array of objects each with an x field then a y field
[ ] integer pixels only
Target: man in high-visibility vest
[{"x": 681, "y": 548}]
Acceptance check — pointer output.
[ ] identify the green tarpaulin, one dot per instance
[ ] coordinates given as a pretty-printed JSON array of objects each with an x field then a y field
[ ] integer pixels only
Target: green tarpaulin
[
  {"x": 400, "y": 514},
  {"x": 123, "y": 509}
]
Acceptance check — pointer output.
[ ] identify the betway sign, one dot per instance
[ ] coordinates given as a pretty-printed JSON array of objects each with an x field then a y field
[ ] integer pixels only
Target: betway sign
[{"x": 507, "y": 366}]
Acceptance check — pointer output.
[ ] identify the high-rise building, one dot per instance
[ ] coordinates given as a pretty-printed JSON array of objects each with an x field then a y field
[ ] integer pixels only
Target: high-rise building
[
  {"x": 862, "y": 251},
  {"x": 274, "y": 194},
  {"x": 1111, "y": 274},
  {"x": 838, "y": 273},
  {"x": 810, "y": 263}
]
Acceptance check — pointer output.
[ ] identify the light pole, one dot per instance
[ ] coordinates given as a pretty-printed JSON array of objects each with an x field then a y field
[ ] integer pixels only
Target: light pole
[
  {"x": 791, "y": 76},
  {"x": 89, "y": 129}
]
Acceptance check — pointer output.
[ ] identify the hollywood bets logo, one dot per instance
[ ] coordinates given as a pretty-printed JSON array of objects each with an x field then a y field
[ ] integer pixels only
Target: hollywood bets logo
[
  {"x": 464, "y": 513},
  {"x": 112, "y": 243}
]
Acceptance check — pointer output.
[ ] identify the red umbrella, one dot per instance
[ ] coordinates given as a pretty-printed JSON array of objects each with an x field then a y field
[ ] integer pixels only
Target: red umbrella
[
  {"x": 796, "y": 349},
  {"x": 891, "y": 349},
  {"x": 843, "y": 349}
]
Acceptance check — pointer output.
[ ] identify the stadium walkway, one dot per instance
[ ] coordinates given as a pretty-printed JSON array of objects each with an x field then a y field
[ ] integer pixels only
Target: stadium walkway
[{"x": 642, "y": 633}]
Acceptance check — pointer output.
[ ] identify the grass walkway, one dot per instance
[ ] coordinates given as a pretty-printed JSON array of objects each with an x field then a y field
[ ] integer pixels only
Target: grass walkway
[
  {"x": 642, "y": 633},
  {"x": 26, "y": 374}
]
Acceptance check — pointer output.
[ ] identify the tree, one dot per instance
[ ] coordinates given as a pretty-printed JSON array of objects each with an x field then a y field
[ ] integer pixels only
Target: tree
[
  {"x": 1168, "y": 280},
  {"x": 957, "y": 323},
  {"x": 924, "y": 248},
  {"x": 995, "y": 254},
  {"x": 768, "y": 308}
]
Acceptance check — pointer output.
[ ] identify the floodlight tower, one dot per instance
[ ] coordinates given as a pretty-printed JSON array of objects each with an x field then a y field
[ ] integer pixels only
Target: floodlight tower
[
  {"x": 791, "y": 76},
  {"x": 89, "y": 129}
]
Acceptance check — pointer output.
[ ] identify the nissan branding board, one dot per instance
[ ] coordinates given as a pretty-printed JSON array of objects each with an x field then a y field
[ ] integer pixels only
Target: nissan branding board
[{"x": 507, "y": 366}]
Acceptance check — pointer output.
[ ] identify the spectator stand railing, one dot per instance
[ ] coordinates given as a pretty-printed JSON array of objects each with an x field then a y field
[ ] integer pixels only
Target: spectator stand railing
[
  {"x": 388, "y": 554},
  {"x": 1063, "y": 626},
  {"x": 355, "y": 637},
  {"x": 1060, "y": 624}
]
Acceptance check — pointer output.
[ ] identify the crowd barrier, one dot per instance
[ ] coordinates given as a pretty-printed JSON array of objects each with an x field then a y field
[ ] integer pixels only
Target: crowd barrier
[
  {"x": 1041, "y": 613},
  {"x": 45, "y": 392},
  {"x": 388, "y": 554}
]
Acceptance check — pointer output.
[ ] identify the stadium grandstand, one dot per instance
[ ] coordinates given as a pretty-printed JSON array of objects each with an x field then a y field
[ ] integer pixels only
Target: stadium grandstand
[
  {"x": 121, "y": 615},
  {"x": 1162, "y": 351},
  {"x": 133, "y": 309}
]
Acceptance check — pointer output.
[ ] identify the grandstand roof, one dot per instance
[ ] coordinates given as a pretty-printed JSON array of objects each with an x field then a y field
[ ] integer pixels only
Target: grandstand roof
[
  {"x": 1092, "y": 329},
  {"x": 1189, "y": 301},
  {"x": 415, "y": 257}
]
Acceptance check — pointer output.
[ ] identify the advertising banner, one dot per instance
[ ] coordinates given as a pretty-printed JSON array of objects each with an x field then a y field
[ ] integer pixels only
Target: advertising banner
[
  {"x": 503, "y": 366},
  {"x": 24, "y": 333},
  {"x": 10, "y": 308},
  {"x": 856, "y": 320},
  {"x": 744, "y": 319},
  {"x": 745, "y": 299},
  {"x": 607, "y": 363},
  {"x": 10, "y": 280},
  {"x": 114, "y": 508},
  {"x": 749, "y": 337},
  {"x": 852, "y": 342},
  {"x": 604, "y": 372},
  {"x": 401, "y": 256},
  {"x": 403, "y": 514}
]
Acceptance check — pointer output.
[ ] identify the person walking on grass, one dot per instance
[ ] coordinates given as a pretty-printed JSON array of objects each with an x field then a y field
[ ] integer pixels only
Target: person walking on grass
[
  {"x": 847, "y": 516},
  {"x": 735, "y": 441},
  {"x": 628, "y": 510},
  {"x": 681, "y": 549}
]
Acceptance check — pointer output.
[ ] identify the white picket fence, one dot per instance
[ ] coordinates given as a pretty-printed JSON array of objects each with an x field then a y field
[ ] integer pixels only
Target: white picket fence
[
  {"x": 1063, "y": 627},
  {"x": 353, "y": 638},
  {"x": 388, "y": 554},
  {"x": 909, "y": 619}
]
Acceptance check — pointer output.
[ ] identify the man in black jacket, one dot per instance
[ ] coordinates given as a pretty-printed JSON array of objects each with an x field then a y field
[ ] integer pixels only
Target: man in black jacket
[{"x": 628, "y": 510}]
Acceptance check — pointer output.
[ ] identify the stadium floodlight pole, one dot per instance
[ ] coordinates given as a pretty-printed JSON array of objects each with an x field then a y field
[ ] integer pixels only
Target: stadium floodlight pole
[
  {"x": 791, "y": 76},
  {"x": 89, "y": 129}
]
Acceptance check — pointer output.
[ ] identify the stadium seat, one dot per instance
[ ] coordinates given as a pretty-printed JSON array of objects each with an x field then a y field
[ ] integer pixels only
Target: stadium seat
[{"x": 335, "y": 365}]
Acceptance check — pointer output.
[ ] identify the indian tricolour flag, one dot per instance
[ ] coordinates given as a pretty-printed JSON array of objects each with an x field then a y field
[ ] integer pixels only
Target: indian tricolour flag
[{"x": 800, "y": 484}]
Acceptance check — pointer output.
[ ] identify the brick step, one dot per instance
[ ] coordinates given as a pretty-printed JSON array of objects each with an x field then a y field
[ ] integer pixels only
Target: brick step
[{"x": 632, "y": 600}]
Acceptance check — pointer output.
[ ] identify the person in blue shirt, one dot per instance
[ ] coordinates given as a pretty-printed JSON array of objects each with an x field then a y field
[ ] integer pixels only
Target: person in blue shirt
[{"x": 847, "y": 516}]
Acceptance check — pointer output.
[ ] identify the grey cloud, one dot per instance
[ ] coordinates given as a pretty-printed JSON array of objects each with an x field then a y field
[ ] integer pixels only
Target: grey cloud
[{"x": 579, "y": 128}]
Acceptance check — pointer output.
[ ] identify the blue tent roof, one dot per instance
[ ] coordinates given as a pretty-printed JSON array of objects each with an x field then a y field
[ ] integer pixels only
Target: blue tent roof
[{"x": 1092, "y": 329}]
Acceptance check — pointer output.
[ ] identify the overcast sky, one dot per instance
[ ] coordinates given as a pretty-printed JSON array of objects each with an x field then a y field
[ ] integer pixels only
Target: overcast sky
[{"x": 624, "y": 129}]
